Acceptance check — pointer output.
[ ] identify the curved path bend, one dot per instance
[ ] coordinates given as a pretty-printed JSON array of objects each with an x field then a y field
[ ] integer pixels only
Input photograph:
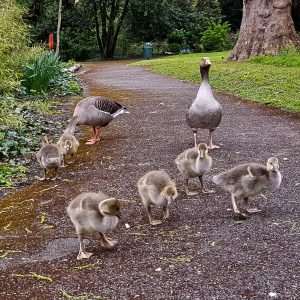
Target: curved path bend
[{"x": 202, "y": 252}]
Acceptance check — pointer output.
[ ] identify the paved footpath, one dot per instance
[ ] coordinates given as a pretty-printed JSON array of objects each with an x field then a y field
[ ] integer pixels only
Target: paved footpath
[{"x": 202, "y": 252}]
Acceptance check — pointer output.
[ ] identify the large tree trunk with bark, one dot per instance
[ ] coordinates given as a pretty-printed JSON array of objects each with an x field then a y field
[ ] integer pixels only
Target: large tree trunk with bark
[{"x": 266, "y": 27}]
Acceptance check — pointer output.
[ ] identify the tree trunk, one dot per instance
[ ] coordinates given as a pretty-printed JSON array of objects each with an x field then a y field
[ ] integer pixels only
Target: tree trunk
[
  {"x": 58, "y": 27},
  {"x": 266, "y": 27},
  {"x": 111, "y": 14}
]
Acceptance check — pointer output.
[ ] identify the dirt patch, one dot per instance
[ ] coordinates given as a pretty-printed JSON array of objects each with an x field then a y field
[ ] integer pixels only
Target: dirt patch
[{"x": 202, "y": 252}]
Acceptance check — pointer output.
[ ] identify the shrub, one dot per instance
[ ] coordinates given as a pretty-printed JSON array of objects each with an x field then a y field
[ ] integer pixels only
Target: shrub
[
  {"x": 66, "y": 84},
  {"x": 38, "y": 72},
  {"x": 8, "y": 173},
  {"x": 216, "y": 37},
  {"x": 13, "y": 45}
]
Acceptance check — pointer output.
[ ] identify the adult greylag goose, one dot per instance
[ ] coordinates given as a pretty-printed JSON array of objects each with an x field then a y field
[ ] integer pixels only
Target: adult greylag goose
[
  {"x": 49, "y": 157},
  {"x": 205, "y": 112},
  {"x": 156, "y": 188},
  {"x": 97, "y": 112},
  {"x": 248, "y": 180},
  {"x": 94, "y": 213},
  {"x": 194, "y": 162},
  {"x": 68, "y": 145}
]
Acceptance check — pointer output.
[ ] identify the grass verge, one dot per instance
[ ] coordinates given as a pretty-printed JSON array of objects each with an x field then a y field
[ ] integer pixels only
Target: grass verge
[{"x": 270, "y": 80}]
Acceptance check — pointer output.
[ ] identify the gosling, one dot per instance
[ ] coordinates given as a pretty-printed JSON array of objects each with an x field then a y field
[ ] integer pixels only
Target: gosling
[
  {"x": 194, "y": 162},
  {"x": 92, "y": 213},
  {"x": 156, "y": 188},
  {"x": 248, "y": 180},
  {"x": 49, "y": 157},
  {"x": 68, "y": 145}
]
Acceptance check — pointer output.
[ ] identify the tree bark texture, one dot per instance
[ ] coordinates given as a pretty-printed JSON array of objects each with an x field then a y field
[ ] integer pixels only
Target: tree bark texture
[{"x": 266, "y": 27}]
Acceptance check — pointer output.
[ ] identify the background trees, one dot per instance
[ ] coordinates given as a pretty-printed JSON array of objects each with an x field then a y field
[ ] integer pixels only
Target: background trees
[{"x": 109, "y": 27}]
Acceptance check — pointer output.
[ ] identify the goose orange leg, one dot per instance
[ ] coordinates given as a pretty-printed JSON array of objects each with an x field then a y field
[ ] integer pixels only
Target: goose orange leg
[{"x": 95, "y": 138}]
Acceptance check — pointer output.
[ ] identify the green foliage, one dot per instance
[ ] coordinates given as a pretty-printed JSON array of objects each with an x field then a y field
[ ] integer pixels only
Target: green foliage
[
  {"x": 18, "y": 138},
  {"x": 274, "y": 85},
  {"x": 14, "y": 145},
  {"x": 14, "y": 48},
  {"x": 8, "y": 174},
  {"x": 38, "y": 72},
  {"x": 8, "y": 116},
  {"x": 66, "y": 84},
  {"x": 173, "y": 25},
  {"x": 216, "y": 37},
  {"x": 126, "y": 48},
  {"x": 178, "y": 39}
]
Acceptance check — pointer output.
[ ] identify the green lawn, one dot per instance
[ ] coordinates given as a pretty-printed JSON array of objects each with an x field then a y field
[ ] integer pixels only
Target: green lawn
[{"x": 270, "y": 80}]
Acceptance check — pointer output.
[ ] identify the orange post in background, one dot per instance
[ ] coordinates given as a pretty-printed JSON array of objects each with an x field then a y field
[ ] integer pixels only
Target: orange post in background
[{"x": 51, "y": 41}]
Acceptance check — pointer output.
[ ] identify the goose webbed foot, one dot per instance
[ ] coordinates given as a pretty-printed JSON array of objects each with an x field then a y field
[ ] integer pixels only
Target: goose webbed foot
[
  {"x": 191, "y": 193},
  {"x": 106, "y": 242},
  {"x": 207, "y": 191},
  {"x": 95, "y": 138},
  {"x": 155, "y": 222},
  {"x": 92, "y": 141},
  {"x": 83, "y": 254},
  {"x": 151, "y": 221},
  {"x": 248, "y": 209},
  {"x": 109, "y": 243},
  {"x": 252, "y": 210},
  {"x": 237, "y": 212},
  {"x": 187, "y": 191},
  {"x": 213, "y": 146}
]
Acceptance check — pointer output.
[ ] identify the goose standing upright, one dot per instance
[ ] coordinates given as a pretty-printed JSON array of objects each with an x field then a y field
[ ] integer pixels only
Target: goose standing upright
[
  {"x": 205, "y": 112},
  {"x": 97, "y": 112},
  {"x": 194, "y": 162},
  {"x": 248, "y": 180}
]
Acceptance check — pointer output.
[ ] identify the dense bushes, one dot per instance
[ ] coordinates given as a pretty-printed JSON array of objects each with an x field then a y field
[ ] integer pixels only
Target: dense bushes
[
  {"x": 217, "y": 37},
  {"x": 14, "y": 48}
]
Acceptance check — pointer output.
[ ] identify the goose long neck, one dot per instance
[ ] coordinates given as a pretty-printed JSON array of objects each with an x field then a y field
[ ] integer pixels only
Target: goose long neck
[
  {"x": 72, "y": 125},
  {"x": 204, "y": 75}
]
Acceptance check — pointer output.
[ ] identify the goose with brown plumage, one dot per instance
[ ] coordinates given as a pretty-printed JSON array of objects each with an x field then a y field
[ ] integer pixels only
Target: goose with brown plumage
[
  {"x": 248, "y": 180},
  {"x": 205, "y": 112},
  {"x": 96, "y": 112}
]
